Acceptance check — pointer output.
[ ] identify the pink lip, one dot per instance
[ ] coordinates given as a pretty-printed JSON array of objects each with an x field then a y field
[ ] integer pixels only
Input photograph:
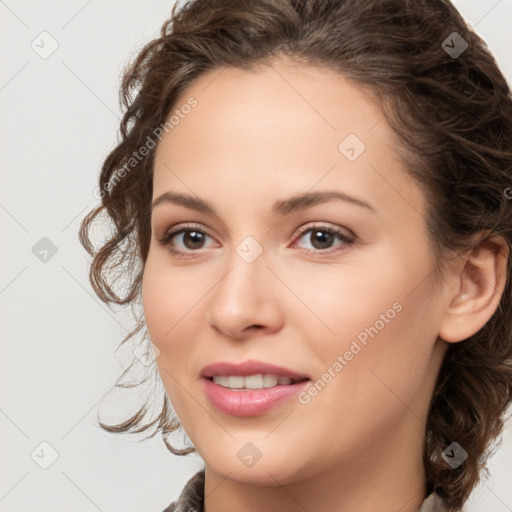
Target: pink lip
[{"x": 249, "y": 402}]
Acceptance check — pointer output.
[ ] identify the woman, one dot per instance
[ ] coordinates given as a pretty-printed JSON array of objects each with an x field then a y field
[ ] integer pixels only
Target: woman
[{"x": 310, "y": 199}]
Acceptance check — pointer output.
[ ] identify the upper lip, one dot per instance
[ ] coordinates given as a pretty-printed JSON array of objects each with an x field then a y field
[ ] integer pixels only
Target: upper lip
[{"x": 250, "y": 367}]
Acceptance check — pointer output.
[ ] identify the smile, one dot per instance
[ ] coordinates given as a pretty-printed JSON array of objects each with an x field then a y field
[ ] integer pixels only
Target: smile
[
  {"x": 257, "y": 381},
  {"x": 250, "y": 388}
]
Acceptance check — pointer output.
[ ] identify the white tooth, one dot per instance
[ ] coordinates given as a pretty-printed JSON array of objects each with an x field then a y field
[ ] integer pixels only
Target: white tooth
[
  {"x": 258, "y": 381},
  {"x": 254, "y": 381},
  {"x": 269, "y": 381},
  {"x": 235, "y": 382},
  {"x": 221, "y": 380}
]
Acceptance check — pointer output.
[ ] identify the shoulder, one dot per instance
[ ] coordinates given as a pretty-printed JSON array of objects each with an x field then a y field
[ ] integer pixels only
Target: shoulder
[{"x": 192, "y": 496}]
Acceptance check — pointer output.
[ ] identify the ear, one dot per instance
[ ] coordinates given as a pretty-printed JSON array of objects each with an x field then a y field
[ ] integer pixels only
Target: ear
[{"x": 479, "y": 280}]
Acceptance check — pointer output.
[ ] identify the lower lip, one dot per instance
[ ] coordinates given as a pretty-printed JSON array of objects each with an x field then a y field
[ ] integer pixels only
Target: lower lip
[{"x": 249, "y": 402}]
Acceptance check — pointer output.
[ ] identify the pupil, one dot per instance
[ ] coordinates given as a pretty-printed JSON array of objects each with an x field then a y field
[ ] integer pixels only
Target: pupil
[
  {"x": 321, "y": 237},
  {"x": 196, "y": 239}
]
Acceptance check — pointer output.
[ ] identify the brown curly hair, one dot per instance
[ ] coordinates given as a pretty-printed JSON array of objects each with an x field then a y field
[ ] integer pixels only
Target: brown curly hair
[{"x": 452, "y": 115}]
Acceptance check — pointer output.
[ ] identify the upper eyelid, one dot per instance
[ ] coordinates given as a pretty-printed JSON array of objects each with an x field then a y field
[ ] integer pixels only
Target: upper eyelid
[
  {"x": 186, "y": 227},
  {"x": 311, "y": 225},
  {"x": 323, "y": 225}
]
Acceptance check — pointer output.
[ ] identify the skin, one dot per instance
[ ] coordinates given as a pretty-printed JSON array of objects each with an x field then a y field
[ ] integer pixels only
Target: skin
[{"x": 256, "y": 137}]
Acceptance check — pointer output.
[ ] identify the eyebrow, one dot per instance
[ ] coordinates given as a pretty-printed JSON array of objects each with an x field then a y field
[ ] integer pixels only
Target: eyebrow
[{"x": 281, "y": 207}]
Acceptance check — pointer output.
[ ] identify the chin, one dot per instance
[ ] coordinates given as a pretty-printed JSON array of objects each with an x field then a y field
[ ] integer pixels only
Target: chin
[{"x": 280, "y": 469}]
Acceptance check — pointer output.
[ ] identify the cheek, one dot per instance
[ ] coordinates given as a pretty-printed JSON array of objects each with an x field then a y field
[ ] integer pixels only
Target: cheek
[
  {"x": 382, "y": 313},
  {"x": 369, "y": 374},
  {"x": 339, "y": 303},
  {"x": 168, "y": 301},
  {"x": 168, "y": 308}
]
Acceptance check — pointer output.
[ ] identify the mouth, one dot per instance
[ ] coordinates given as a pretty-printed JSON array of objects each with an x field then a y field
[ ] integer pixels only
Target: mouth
[
  {"x": 256, "y": 381},
  {"x": 250, "y": 388},
  {"x": 251, "y": 368}
]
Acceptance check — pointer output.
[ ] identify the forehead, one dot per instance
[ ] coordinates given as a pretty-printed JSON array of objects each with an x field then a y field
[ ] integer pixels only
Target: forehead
[
  {"x": 277, "y": 130},
  {"x": 278, "y": 105}
]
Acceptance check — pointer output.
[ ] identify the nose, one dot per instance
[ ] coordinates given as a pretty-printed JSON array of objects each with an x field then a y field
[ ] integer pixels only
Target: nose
[{"x": 246, "y": 300}]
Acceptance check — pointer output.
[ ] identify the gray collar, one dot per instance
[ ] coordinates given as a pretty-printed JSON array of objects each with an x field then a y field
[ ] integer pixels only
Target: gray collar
[
  {"x": 192, "y": 498},
  {"x": 433, "y": 503}
]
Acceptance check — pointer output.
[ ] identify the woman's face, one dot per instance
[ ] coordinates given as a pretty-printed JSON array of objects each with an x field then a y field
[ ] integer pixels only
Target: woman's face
[{"x": 336, "y": 287}]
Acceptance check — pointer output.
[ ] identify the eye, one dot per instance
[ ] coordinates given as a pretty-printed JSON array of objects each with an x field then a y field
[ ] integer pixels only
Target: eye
[
  {"x": 322, "y": 238},
  {"x": 187, "y": 239}
]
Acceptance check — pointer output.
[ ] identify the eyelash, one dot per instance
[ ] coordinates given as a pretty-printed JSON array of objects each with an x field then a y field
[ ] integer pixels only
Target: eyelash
[{"x": 166, "y": 238}]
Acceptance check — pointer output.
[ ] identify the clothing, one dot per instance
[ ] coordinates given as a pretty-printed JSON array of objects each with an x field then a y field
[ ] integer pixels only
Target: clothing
[{"x": 192, "y": 498}]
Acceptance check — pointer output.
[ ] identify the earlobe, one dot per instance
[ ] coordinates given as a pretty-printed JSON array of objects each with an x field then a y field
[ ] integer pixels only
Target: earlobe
[{"x": 480, "y": 281}]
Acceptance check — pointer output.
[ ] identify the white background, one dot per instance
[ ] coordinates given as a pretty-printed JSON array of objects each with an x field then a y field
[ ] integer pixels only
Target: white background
[{"x": 59, "y": 119}]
